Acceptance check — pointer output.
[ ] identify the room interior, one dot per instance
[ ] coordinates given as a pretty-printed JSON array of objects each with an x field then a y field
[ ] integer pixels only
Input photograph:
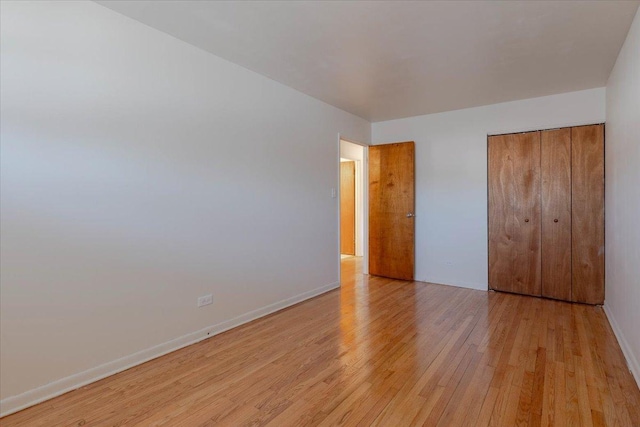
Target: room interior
[{"x": 170, "y": 213}]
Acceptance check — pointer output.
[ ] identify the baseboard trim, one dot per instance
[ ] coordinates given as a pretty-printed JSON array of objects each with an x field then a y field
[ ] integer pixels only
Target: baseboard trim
[
  {"x": 56, "y": 388},
  {"x": 632, "y": 361},
  {"x": 456, "y": 284}
]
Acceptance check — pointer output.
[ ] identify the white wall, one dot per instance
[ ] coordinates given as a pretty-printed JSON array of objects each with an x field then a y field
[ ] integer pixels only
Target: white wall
[
  {"x": 451, "y": 175},
  {"x": 355, "y": 152},
  {"x": 622, "y": 182},
  {"x": 138, "y": 173}
]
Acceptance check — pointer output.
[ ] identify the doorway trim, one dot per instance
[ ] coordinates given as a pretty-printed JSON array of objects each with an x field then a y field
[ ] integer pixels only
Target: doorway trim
[{"x": 365, "y": 204}]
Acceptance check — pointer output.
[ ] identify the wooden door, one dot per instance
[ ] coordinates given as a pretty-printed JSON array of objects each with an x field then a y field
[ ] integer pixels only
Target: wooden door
[
  {"x": 391, "y": 210},
  {"x": 348, "y": 208},
  {"x": 555, "y": 173},
  {"x": 587, "y": 157},
  {"x": 514, "y": 213}
]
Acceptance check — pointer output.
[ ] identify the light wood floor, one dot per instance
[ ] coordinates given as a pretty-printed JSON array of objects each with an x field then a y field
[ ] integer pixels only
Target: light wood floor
[{"x": 377, "y": 352}]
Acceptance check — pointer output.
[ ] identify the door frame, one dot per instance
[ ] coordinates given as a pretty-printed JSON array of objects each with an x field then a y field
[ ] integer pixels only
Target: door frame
[{"x": 365, "y": 204}]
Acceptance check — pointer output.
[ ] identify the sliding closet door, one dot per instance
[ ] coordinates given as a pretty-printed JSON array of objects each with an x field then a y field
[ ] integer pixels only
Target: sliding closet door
[
  {"x": 555, "y": 170},
  {"x": 514, "y": 213},
  {"x": 587, "y": 149}
]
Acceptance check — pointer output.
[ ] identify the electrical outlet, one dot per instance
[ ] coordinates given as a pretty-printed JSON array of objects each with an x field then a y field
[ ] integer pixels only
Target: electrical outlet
[
  {"x": 205, "y": 300},
  {"x": 449, "y": 263}
]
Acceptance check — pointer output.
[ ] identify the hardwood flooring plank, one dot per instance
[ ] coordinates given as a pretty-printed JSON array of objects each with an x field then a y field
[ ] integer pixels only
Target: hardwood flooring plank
[{"x": 377, "y": 352}]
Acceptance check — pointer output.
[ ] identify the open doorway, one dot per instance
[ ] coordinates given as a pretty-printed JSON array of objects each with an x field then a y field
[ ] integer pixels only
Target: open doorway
[
  {"x": 347, "y": 207},
  {"x": 352, "y": 202}
]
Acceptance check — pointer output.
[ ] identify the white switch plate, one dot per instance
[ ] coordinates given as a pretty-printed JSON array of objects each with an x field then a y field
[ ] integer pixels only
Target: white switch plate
[
  {"x": 333, "y": 193},
  {"x": 205, "y": 300}
]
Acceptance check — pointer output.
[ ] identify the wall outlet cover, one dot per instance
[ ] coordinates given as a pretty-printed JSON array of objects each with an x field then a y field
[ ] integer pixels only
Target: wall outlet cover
[{"x": 205, "y": 300}]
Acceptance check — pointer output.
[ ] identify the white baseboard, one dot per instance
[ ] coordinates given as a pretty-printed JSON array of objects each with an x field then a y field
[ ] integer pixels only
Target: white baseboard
[
  {"x": 457, "y": 284},
  {"x": 32, "y": 397},
  {"x": 632, "y": 360}
]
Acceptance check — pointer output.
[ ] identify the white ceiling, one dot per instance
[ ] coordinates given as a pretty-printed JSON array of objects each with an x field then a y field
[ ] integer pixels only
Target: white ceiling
[{"x": 390, "y": 59}]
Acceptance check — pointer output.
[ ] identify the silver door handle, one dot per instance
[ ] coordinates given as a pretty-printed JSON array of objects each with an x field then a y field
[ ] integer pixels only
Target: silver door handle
[{"x": 410, "y": 215}]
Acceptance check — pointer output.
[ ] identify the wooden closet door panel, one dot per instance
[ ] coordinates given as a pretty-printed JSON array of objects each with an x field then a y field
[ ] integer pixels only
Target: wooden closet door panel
[
  {"x": 587, "y": 166},
  {"x": 514, "y": 213},
  {"x": 555, "y": 170}
]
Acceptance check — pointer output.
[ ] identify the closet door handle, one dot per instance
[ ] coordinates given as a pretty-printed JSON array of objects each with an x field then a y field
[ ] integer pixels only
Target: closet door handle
[
  {"x": 526, "y": 220},
  {"x": 555, "y": 220}
]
